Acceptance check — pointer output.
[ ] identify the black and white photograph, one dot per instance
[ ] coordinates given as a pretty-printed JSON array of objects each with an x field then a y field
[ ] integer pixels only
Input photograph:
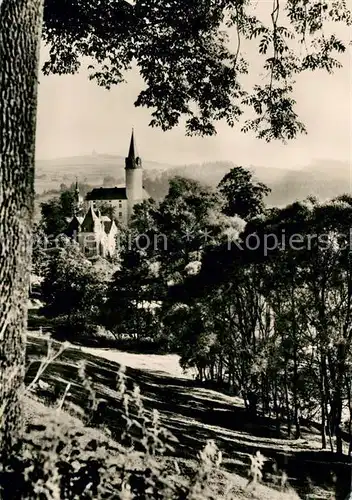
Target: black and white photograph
[{"x": 175, "y": 249}]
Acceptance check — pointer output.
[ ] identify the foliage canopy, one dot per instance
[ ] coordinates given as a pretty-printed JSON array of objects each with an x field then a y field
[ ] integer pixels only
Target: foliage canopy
[{"x": 191, "y": 55}]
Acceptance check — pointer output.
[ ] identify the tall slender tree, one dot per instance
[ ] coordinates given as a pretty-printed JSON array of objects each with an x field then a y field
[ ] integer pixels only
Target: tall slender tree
[{"x": 20, "y": 27}]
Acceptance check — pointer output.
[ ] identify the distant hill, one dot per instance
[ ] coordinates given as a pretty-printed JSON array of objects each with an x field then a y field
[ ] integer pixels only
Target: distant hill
[
  {"x": 323, "y": 178},
  {"x": 89, "y": 170}
]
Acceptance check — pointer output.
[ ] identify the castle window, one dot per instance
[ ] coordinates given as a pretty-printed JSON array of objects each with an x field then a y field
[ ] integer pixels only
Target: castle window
[{"x": 120, "y": 214}]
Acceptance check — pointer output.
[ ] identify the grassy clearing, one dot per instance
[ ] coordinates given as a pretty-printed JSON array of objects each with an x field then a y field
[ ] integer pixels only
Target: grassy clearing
[
  {"x": 164, "y": 364},
  {"x": 194, "y": 416}
]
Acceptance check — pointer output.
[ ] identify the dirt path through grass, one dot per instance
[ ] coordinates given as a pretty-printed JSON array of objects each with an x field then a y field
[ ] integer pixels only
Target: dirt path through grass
[{"x": 166, "y": 364}]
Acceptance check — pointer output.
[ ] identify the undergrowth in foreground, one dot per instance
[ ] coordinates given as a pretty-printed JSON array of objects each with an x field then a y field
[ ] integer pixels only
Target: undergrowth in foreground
[{"x": 65, "y": 459}]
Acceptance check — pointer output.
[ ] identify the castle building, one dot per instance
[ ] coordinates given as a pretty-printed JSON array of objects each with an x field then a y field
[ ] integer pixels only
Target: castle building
[
  {"x": 123, "y": 199},
  {"x": 96, "y": 233}
]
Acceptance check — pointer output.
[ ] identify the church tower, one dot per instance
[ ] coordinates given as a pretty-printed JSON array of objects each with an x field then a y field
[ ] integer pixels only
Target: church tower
[{"x": 134, "y": 177}]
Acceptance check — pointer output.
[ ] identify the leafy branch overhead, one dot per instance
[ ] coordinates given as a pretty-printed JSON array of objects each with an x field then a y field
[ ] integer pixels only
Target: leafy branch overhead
[{"x": 191, "y": 55}]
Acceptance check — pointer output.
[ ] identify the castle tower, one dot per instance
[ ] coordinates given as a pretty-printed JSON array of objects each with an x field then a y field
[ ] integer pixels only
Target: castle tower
[
  {"x": 134, "y": 177},
  {"x": 77, "y": 200}
]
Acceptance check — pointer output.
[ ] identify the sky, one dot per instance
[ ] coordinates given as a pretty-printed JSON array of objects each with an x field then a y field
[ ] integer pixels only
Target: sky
[{"x": 76, "y": 117}]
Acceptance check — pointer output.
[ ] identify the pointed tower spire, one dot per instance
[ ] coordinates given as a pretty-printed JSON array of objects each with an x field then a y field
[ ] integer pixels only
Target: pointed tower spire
[
  {"x": 133, "y": 161},
  {"x": 134, "y": 178},
  {"x": 77, "y": 199},
  {"x": 132, "y": 153}
]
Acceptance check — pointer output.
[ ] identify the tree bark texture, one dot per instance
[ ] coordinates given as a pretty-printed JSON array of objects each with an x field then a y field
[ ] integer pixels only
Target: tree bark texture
[{"x": 20, "y": 28}]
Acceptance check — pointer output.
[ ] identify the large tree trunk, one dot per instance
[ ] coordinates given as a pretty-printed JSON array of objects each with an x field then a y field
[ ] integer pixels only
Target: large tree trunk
[{"x": 20, "y": 23}]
